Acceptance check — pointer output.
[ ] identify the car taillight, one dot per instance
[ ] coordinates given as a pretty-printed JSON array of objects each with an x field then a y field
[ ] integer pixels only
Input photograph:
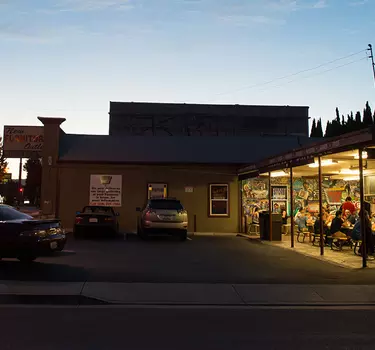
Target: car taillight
[
  {"x": 150, "y": 211},
  {"x": 78, "y": 219},
  {"x": 182, "y": 211}
]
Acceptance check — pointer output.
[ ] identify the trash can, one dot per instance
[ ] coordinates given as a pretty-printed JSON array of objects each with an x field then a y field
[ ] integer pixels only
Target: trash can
[
  {"x": 276, "y": 227},
  {"x": 264, "y": 223}
]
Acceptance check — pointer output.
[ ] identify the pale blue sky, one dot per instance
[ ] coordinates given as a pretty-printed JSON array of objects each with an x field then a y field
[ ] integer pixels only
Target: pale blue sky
[{"x": 71, "y": 57}]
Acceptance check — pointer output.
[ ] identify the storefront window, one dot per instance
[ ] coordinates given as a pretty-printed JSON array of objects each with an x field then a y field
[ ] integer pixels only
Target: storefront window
[{"x": 219, "y": 200}]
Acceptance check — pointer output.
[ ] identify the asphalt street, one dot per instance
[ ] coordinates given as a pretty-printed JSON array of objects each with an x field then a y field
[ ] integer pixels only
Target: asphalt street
[
  {"x": 176, "y": 328},
  {"x": 201, "y": 260}
]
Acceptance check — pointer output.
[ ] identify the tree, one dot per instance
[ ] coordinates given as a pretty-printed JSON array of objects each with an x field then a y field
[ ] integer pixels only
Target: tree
[
  {"x": 319, "y": 129},
  {"x": 33, "y": 167},
  {"x": 328, "y": 132},
  {"x": 367, "y": 115},
  {"x": 3, "y": 162},
  {"x": 358, "y": 120},
  {"x": 313, "y": 129}
]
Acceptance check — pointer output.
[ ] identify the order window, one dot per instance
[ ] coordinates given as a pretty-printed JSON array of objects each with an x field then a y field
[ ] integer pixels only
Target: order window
[{"x": 219, "y": 200}]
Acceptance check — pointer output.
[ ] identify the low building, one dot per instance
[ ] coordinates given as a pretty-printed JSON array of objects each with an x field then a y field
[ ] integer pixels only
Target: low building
[{"x": 200, "y": 171}]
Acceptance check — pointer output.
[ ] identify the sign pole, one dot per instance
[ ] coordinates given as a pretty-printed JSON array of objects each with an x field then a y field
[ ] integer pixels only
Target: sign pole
[{"x": 20, "y": 183}]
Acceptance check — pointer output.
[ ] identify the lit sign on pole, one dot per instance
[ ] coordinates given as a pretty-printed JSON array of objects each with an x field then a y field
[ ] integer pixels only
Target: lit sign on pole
[{"x": 23, "y": 141}]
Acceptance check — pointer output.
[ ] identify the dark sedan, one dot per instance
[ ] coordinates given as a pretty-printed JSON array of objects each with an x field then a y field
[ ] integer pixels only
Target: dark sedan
[
  {"x": 96, "y": 220},
  {"x": 24, "y": 238}
]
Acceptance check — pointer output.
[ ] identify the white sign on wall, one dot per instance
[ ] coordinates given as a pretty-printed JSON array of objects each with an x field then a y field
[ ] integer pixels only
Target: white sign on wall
[
  {"x": 106, "y": 190},
  {"x": 22, "y": 141},
  {"x": 189, "y": 189}
]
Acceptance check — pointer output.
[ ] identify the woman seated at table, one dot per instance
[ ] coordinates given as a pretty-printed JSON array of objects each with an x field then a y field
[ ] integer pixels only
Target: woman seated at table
[
  {"x": 301, "y": 221},
  {"x": 351, "y": 217},
  {"x": 317, "y": 226},
  {"x": 337, "y": 226},
  {"x": 327, "y": 217},
  {"x": 356, "y": 234}
]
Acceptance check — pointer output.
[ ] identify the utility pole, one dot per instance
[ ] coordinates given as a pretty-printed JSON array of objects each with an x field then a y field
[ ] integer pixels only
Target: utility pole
[{"x": 371, "y": 57}]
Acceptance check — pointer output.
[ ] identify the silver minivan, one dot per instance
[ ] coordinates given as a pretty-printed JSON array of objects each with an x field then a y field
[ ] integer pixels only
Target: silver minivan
[{"x": 163, "y": 216}]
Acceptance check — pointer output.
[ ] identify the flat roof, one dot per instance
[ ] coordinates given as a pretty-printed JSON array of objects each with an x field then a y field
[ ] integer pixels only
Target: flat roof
[{"x": 235, "y": 110}]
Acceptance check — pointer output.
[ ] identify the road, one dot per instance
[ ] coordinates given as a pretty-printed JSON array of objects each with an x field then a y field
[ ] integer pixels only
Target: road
[
  {"x": 176, "y": 328},
  {"x": 201, "y": 260}
]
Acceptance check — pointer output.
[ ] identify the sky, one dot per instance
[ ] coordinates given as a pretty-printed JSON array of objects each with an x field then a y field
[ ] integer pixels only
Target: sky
[{"x": 69, "y": 58}]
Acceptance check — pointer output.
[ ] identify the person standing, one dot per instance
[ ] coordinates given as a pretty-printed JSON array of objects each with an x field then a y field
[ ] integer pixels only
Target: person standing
[{"x": 348, "y": 205}]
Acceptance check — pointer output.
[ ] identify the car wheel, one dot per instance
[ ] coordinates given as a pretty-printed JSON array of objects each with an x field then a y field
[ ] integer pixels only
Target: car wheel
[
  {"x": 183, "y": 236},
  {"x": 142, "y": 234},
  {"x": 27, "y": 259},
  {"x": 77, "y": 233}
]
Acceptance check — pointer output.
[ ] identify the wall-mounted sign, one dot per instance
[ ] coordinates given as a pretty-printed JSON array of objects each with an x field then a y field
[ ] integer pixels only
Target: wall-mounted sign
[
  {"x": 156, "y": 190},
  {"x": 189, "y": 189},
  {"x": 22, "y": 141},
  {"x": 106, "y": 190}
]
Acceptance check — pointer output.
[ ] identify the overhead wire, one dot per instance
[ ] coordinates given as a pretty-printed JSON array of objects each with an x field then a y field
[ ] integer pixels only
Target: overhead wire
[
  {"x": 289, "y": 75},
  {"x": 313, "y": 75}
]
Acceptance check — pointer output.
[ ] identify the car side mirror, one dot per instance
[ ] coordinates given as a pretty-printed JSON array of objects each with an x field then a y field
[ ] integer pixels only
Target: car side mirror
[{"x": 138, "y": 209}]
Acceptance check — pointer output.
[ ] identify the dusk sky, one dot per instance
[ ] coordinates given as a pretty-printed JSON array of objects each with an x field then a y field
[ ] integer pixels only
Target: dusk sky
[{"x": 71, "y": 57}]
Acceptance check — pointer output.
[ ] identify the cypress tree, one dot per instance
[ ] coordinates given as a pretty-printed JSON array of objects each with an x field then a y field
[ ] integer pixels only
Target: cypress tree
[
  {"x": 313, "y": 129},
  {"x": 319, "y": 130}
]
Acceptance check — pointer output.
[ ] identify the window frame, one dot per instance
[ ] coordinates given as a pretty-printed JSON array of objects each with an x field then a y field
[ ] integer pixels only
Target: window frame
[{"x": 210, "y": 200}]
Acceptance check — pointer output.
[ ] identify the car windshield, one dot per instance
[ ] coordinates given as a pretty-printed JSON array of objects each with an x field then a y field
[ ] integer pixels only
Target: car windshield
[
  {"x": 97, "y": 210},
  {"x": 8, "y": 214},
  {"x": 166, "y": 204}
]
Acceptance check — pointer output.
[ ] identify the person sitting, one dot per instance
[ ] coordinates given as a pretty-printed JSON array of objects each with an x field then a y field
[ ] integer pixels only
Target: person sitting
[
  {"x": 255, "y": 216},
  {"x": 284, "y": 216},
  {"x": 337, "y": 224},
  {"x": 352, "y": 217},
  {"x": 356, "y": 235},
  {"x": 301, "y": 221}
]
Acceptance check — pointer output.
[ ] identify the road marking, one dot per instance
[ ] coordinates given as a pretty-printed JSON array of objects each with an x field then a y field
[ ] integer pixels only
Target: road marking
[{"x": 189, "y": 239}]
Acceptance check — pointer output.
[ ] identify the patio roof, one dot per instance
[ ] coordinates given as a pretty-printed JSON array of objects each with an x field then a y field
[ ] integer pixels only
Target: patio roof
[{"x": 306, "y": 154}]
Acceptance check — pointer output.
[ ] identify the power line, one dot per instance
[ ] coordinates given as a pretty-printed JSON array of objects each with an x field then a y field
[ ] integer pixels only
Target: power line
[
  {"x": 290, "y": 75},
  {"x": 313, "y": 75}
]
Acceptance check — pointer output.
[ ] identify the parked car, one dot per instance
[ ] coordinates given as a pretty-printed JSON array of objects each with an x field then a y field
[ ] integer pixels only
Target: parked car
[
  {"x": 163, "y": 216},
  {"x": 96, "y": 219},
  {"x": 24, "y": 238}
]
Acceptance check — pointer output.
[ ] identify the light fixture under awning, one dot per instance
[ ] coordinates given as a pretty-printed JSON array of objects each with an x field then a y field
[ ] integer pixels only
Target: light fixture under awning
[{"x": 324, "y": 162}]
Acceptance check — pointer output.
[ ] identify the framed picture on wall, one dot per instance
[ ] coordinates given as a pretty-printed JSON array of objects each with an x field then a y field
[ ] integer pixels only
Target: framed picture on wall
[{"x": 219, "y": 200}]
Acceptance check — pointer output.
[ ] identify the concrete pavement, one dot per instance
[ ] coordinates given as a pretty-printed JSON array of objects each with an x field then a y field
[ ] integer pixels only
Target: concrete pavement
[{"x": 198, "y": 294}]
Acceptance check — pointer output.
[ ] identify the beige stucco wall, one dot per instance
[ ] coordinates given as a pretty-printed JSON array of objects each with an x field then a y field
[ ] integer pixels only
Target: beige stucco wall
[{"x": 74, "y": 181}]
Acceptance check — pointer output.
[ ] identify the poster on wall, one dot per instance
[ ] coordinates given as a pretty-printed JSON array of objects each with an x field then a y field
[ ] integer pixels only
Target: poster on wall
[
  {"x": 106, "y": 190},
  {"x": 157, "y": 191}
]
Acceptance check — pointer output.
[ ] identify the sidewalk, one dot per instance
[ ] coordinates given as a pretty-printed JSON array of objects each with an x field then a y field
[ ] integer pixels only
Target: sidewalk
[
  {"x": 199, "y": 294},
  {"x": 345, "y": 258}
]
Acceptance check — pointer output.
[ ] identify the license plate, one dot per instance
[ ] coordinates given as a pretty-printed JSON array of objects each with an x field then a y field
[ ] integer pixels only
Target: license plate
[
  {"x": 53, "y": 245},
  {"x": 167, "y": 218},
  {"x": 93, "y": 220}
]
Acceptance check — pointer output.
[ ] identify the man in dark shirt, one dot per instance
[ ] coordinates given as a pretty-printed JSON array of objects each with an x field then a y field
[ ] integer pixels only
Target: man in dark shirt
[{"x": 336, "y": 226}]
